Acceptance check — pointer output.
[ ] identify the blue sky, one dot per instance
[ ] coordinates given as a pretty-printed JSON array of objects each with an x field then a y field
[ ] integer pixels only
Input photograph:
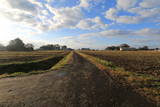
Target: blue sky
[{"x": 81, "y": 23}]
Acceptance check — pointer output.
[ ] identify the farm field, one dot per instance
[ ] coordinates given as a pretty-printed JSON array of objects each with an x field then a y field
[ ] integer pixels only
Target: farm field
[
  {"x": 15, "y": 63},
  {"x": 14, "y": 57},
  {"x": 79, "y": 83},
  {"x": 143, "y": 62},
  {"x": 139, "y": 69}
]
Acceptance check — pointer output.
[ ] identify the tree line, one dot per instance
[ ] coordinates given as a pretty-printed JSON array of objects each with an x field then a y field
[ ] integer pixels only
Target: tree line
[
  {"x": 18, "y": 45},
  {"x": 128, "y": 47}
]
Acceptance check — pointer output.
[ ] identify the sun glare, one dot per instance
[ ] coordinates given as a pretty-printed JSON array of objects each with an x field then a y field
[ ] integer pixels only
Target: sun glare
[{"x": 6, "y": 29}]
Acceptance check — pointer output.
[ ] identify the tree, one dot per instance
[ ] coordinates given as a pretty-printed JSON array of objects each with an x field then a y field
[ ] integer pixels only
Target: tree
[
  {"x": 113, "y": 48},
  {"x": 144, "y": 48},
  {"x": 16, "y": 45},
  {"x": 64, "y": 47},
  {"x": 29, "y": 47},
  {"x": 57, "y": 47},
  {"x": 50, "y": 47}
]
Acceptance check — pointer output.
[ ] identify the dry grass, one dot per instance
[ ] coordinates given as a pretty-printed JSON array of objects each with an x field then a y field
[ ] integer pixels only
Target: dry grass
[
  {"x": 29, "y": 67},
  {"x": 143, "y": 62},
  {"x": 66, "y": 60},
  {"x": 145, "y": 83},
  {"x": 7, "y": 57}
]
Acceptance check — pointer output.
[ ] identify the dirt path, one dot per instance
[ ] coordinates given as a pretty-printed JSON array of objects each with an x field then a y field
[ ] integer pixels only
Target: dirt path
[{"x": 79, "y": 84}]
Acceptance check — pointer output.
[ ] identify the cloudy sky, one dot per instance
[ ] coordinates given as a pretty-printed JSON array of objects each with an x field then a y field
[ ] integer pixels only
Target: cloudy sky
[{"x": 81, "y": 23}]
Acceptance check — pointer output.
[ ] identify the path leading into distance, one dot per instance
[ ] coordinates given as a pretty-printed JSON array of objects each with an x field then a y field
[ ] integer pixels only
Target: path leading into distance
[{"x": 79, "y": 84}]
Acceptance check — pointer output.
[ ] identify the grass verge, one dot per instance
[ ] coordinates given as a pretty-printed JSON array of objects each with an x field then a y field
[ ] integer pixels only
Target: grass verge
[
  {"x": 145, "y": 85},
  {"x": 63, "y": 62},
  {"x": 21, "y": 74}
]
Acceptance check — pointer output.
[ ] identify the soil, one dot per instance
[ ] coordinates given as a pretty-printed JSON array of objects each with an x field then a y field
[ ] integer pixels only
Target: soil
[{"x": 79, "y": 84}]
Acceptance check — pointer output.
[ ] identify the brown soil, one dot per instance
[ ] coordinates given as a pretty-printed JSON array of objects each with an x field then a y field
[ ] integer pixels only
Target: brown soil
[{"x": 79, "y": 84}]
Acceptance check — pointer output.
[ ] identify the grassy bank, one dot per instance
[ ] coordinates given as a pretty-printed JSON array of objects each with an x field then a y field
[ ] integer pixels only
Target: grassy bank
[{"x": 63, "y": 62}]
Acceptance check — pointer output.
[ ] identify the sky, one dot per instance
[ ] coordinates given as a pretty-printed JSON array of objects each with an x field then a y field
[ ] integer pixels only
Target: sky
[{"x": 81, "y": 23}]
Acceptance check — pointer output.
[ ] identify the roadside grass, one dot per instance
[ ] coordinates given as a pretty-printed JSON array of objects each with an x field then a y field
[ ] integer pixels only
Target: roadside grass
[
  {"x": 21, "y": 74},
  {"x": 146, "y": 85},
  {"x": 63, "y": 62}
]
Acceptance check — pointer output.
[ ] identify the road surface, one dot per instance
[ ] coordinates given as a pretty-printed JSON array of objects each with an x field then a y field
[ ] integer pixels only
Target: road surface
[{"x": 79, "y": 84}]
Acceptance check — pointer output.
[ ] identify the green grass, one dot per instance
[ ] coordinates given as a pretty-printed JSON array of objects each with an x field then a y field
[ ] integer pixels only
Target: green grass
[{"x": 63, "y": 62}]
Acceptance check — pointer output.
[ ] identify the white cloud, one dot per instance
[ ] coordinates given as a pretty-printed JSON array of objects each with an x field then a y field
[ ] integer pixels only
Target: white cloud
[
  {"x": 44, "y": 17},
  {"x": 150, "y": 3},
  {"x": 124, "y": 33},
  {"x": 125, "y": 4},
  {"x": 24, "y": 5},
  {"x": 66, "y": 17},
  {"x": 84, "y": 3},
  {"x": 91, "y": 23},
  {"x": 87, "y": 39},
  {"x": 148, "y": 32},
  {"x": 77, "y": 42},
  {"x": 129, "y": 19},
  {"x": 142, "y": 11},
  {"x": 111, "y": 14}
]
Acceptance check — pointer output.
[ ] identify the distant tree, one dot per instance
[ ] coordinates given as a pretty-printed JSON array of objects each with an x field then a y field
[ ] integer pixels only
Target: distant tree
[
  {"x": 144, "y": 48},
  {"x": 46, "y": 47},
  {"x": 64, "y": 47},
  {"x": 85, "y": 49},
  {"x": 2, "y": 47},
  {"x": 50, "y": 47},
  {"x": 156, "y": 48},
  {"x": 16, "y": 45},
  {"x": 124, "y": 45},
  {"x": 57, "y": 47},
  {"x": 113, "y": 48},
  {"x": 29, "y": 47}
]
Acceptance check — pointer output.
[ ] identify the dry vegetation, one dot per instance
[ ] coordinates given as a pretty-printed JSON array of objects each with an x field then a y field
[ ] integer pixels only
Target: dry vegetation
[
  {"x": 19, "y": 63},
  {"x": 143, "y": 62},
  {"x": 7, "y": 57},
  {"x": 139, "y": 69}
]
